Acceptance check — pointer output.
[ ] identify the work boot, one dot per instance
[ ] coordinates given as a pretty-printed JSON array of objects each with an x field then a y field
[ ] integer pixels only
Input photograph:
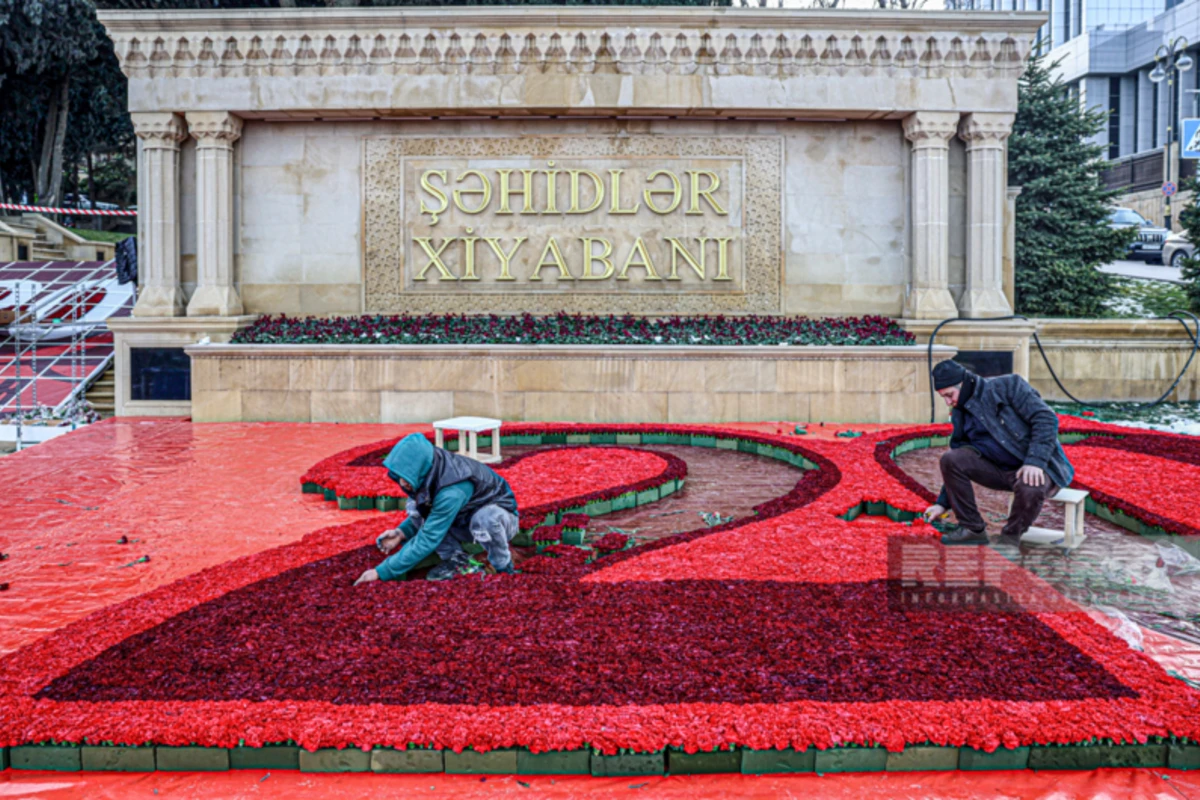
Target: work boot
[
  {"x": 957, "y": 534},
  {"x": 449, "y": 569}
]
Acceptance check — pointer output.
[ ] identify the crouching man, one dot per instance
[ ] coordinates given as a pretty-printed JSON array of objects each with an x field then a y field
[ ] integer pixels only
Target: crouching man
[
  {"x": 452, "y": 500},
  {"x": 1005, "y": 437}
]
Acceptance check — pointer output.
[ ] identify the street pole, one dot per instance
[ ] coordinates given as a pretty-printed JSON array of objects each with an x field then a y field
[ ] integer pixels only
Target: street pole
[
  {"x": 1168, "y": 60},
  {"x": 1170, "y": 141}
]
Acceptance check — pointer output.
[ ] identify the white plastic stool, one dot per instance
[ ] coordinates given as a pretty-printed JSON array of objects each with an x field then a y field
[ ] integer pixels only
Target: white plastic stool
[
  {"x": 1072, "y": 535},
  {"x": 469, "y": 429}
]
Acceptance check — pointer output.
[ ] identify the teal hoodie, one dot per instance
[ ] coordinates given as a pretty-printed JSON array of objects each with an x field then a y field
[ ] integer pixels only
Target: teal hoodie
[{"x": 411, "y": 459}]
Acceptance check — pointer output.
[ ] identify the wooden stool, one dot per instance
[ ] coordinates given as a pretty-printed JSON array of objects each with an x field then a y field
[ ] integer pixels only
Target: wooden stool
[
  {"x": 469, "y": 429},
  {"x": 1072, "y": 535}
]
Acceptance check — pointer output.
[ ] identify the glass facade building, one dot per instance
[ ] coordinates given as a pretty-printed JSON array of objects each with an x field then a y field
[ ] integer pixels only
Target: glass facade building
[{"x": 1105, "y": 52}]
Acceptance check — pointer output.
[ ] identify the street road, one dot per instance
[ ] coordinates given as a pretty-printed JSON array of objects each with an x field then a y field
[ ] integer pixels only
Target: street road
[{"x": 1140, "y": 269}]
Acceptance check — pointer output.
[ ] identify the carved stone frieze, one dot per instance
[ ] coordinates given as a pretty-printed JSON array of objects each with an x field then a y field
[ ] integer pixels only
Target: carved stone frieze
[{"x": 682, "y": 41}]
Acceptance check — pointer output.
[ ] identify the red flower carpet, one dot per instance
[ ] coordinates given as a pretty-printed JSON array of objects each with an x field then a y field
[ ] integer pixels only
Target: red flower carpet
[{"x": 787, "y": 628}]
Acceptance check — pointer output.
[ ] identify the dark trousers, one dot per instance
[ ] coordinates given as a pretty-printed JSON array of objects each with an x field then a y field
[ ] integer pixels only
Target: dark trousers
[{"x": 964, "y": 466}]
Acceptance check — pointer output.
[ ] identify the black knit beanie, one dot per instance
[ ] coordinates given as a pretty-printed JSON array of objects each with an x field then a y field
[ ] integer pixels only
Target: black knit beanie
[{"x": 947, "y": 374}]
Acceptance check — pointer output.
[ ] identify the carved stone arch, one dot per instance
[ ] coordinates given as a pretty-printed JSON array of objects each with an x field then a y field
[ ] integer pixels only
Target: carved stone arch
[
  {"x": 456, "y": 56},
  {"x": 857, "y": 56},
  {"x": 581, "y": 57},
  {"x": 881, "y": 55},
  {"x": 656, "y": 54},
  {"x": 981, "y": 54},
  {"x": 932, "y": 57},
  {"x": 354, "y": 52},
  {"x": 380, "y": 52},
  {"x": 256, "y": 55},
  {"x": 506, "y": 57},
  {"x": 405, "y": 55},
  {"x": 158, "y": 53},
  {"x": 831, "y": 56},
  {"x": 907, "y": 57},
  {"x": 806, "y": 53},
  {"x": 556, "y": 54}
]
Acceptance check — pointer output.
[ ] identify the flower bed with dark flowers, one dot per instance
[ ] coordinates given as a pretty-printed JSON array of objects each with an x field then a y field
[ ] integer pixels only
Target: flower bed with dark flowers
[
  {"x": 575, "y": 329},
  {"x": 789, "y": 628}
]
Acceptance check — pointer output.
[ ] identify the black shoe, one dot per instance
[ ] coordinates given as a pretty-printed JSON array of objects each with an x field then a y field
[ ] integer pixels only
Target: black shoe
[
  {"x": 449, "y": 569},
  {"x": 957, "y": 534}
]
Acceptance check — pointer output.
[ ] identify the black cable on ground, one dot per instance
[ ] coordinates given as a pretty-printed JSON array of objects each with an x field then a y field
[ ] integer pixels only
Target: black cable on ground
[{"x": 1176, "y": 315}]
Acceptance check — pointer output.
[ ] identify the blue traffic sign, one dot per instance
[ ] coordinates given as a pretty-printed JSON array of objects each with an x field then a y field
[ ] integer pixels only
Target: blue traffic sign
[{"x": 1190, "y": 146}]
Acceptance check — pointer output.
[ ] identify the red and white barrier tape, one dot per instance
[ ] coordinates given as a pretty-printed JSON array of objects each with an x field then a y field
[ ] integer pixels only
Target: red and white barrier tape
[{"x": 81, "y": 211}]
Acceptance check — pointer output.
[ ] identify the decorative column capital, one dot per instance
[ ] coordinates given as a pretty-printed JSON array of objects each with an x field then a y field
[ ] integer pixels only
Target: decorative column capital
[
  {"x": 930, "y": 128},
  {"x": 214, "y": 128},
  {"x": 985, "y": 130},
  {"x": 159, "y": 129}
]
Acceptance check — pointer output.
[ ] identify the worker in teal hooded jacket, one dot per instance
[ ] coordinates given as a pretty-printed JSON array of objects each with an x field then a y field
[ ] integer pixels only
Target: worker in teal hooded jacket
[{"x": 452, "y": 500}]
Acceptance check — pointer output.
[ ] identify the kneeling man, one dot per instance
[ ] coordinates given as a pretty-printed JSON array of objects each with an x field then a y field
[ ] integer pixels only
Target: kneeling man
[
  {"x": 452, "y": 500},
  {"x": 1005, "y": 437}
]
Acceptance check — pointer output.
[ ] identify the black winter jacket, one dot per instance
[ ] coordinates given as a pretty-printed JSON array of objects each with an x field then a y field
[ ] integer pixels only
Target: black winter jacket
[{"x": 1016, "y": 416}]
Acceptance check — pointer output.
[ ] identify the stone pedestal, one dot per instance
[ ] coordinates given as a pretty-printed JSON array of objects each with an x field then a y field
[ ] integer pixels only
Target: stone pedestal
[
  {"x": 216, "y": 294},
  {"x": 129, "y": 333},
  {"x": 928, "y": 295},
  {"x": 158, "y": 187},
  {"x": 986, "y": 200}
]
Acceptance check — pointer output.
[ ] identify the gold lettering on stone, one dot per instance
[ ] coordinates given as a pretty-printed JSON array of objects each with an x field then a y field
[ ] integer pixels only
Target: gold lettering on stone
[
  {"x": 675, "y": 192},
  {"x": 552, "y": 249},
  {"x": 714, "y": 184},
  {"x": 613, "y": 220},
  {"x": 469, "y": 256},
  {"x": 485, "y": 190},
  {"x": 505, "y": 258},
  {"x": 615, "y": 193},
  {"x": 435, "y": 258},
  {"x": 677, "y": 249},
  {"x": 526, "y": 190},
  {"x": 723, "y": 259},
  {"x": 597, "y": 184},
  {"x": 639, "y": 249},
  {"x": 436, "y": 192},
  {"x": 551, "y": 189},
  {"x": 590, "y": 258}
]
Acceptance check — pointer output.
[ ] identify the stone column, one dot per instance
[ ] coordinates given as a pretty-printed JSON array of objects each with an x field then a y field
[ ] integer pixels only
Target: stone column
[
  {"x": 986, "y": 202},
  {"x": 928, "y": 294},
  {"x": 158, "y": 214},
  {"x": 1010, "y": 245},
  {"x": 216, "y": 295}
]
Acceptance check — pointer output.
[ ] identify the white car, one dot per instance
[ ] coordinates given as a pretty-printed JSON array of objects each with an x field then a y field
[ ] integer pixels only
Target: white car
[
  {"x": 83, "y": 201},
  {"x": 1176, "y": 248}
]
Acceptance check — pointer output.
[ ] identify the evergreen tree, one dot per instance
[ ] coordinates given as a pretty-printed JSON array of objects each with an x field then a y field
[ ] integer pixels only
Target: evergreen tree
[
  {"x": 1062, "y": 233},
  {"x": 1189, "y": 220}
]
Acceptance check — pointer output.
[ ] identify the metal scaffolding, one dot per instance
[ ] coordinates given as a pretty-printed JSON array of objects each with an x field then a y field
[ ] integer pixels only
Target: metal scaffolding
[{"x": 32, "y": 329}]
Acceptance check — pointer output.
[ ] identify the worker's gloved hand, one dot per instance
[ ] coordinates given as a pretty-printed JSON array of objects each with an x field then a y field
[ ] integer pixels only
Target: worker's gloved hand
[
  {"x": 933, "y": 512},
  {"x": 370, "y": 576},
  {"x": 389, "y": 540}
]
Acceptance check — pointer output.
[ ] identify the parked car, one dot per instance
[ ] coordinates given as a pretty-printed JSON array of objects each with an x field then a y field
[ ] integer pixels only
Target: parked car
[
  {"x": 1176, "y": 248},
  {"x": 1148, "y": 246},
  {"x": 83, "y": 201}
]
